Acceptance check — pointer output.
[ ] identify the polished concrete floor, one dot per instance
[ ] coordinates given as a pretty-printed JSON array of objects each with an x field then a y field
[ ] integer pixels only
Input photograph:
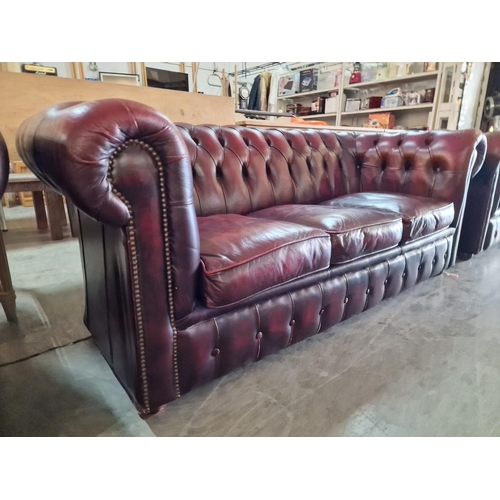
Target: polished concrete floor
[{"x": 426, "y": 363}]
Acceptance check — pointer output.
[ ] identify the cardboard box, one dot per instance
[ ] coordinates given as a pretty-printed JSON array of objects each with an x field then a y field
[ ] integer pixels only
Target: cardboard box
[{"x": 382, "y": 120}]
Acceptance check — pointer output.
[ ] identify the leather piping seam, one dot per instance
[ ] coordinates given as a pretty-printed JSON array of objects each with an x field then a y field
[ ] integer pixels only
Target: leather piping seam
[{"x": 130, "y": 229}]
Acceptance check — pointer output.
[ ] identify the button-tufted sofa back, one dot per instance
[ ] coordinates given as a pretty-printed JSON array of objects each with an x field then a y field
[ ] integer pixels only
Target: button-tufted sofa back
[{"x": 240, "y": 170}]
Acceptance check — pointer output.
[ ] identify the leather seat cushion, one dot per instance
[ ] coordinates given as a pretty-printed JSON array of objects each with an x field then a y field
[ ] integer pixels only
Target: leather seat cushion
[
  {"x": 242, "y": 256},
  {"x": 421, "y": 215},
  {"x": 354, "y": 232}
]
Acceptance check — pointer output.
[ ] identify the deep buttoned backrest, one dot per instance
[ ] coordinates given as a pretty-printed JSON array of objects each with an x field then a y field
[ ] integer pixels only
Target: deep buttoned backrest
[
  {"x": 435, "y": 164},
  {"x": 240, "y": 169}
]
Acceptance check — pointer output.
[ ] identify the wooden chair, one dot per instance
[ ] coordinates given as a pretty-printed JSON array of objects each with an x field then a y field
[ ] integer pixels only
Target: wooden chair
[{"x": 7, "y": 294}]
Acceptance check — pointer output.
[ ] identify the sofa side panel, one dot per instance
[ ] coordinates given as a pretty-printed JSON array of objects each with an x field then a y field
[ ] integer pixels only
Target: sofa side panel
[{"x": 109, "y": 313}]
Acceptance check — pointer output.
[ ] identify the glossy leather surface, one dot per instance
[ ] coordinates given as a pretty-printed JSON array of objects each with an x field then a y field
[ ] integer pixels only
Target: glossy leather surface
[
  {"x": 82, "y": 159},
  {"x": 483, "y": 202},
  {"x": 354, "y": 232},
  {"x": 242, "y": 256},
  {"x": 421, "y": 216},
  {"x": 242, "y": 170},
  {"x": 434, "y": 164},
  {"x": 144, "y": 181}
]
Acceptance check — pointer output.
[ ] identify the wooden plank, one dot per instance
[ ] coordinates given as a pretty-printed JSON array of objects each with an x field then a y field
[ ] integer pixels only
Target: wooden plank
[{"x": 22, "y": 95}]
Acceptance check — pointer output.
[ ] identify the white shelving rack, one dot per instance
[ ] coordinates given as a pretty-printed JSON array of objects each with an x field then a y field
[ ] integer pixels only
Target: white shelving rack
[{"x": 409, "y": 116}]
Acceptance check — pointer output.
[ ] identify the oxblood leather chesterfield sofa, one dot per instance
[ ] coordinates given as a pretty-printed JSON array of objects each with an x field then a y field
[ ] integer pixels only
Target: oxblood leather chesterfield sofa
[
  {"x": 481, "y": 225},
  {"x": 205, "y": 248}
]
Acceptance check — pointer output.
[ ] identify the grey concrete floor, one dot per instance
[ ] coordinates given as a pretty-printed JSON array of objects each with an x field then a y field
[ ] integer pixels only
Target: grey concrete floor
[{"x": 426, "y": 363}]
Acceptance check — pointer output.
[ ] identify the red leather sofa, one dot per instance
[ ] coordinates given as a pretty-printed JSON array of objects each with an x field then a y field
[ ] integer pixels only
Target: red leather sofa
[
  {"x": 481, "y": 225},
  {"x": 205, "y": 248}
]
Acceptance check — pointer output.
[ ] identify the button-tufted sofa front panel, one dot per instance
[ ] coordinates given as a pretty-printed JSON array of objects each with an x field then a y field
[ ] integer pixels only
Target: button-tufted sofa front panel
[{"x": 210, "y": 349}]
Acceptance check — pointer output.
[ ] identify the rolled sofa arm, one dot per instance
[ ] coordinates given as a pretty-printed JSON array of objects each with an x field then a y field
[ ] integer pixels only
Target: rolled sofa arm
[
  {"x": 75, "y": 148},
  {"x": 125, "y": 165},
  {"x": 69, "y": 147}
]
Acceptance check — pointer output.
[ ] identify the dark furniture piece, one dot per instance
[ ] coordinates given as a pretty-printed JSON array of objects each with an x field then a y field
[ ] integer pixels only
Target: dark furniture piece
[
  {"x": 205, "y": 248},
  {"x": 481, "y": 226},
  {"x": 7, "y": 294}
]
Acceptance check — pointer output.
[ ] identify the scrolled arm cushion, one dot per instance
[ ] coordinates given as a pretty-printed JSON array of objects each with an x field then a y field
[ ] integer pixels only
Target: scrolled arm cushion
[{"x": 69, "y": 147}]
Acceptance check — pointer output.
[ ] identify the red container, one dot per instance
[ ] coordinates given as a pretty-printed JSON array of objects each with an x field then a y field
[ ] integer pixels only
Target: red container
[{"x": 374, "y": 102}]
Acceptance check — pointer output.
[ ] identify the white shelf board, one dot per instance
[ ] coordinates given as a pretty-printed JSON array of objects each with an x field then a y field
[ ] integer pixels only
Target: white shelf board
[
  {"x": 312, "y": 117},
  {"x": 373, "y": 83},
  {"x": 305, "y": 94},
  {"x": 416, "y": 107}
]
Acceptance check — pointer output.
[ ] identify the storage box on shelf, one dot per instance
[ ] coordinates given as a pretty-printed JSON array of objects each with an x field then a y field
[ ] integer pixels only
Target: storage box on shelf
[{"x": 405, "y": 89}]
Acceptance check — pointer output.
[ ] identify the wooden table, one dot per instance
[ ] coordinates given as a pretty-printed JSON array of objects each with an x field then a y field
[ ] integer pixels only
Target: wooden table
[{"x": 19, "y": 183}]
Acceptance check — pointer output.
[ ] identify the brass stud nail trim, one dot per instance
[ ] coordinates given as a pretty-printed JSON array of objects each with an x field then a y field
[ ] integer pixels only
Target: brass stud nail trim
[{"x": 130, "y": 231}]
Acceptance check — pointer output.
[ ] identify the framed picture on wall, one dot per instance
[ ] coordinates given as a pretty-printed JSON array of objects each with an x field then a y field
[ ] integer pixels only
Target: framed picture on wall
[{"x": 120, "y": 78}]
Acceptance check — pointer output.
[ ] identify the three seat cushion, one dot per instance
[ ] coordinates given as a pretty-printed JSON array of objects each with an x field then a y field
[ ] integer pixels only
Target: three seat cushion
[
  {"x": 242, "y": 256},
  {"x": 354, "y": 232},
  {"x": 421, "y": 215}
]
